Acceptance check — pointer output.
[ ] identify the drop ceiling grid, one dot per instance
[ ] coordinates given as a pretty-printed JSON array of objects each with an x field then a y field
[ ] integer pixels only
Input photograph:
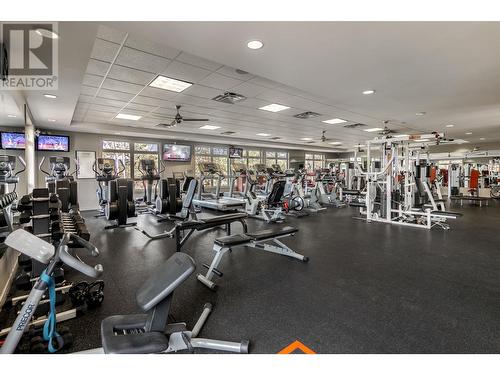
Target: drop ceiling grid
[{"x": 126, "y": 88}]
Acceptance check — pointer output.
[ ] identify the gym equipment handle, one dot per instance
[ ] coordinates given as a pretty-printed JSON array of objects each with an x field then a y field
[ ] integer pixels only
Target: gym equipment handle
[{"x": 75, "y": 263}]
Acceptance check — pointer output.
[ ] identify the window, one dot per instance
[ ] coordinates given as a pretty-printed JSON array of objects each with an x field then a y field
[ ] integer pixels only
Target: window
[
  {"x": 314, "y": 161},
  {"x": 115, "y": 145},
  {"x": 279, "y": 158},
  {"x": 124, "y": 157},
  {"x": 146, "y": 147},
  {"x": 213, "y": 154},
  {"x": 138, "y": 185}
]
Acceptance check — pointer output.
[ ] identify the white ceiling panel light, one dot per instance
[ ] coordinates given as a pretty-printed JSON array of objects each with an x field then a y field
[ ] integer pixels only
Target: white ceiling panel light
[
  {"x": 51, "y": 120},
  {"x": 420, "y": 114},
  {"x": 170, "y": 84},
  {"x": 50, "y": 96},
  {"x": 450, "y": 125},
  {"x": 371, "y": 130},
  {"x": 274, "y": 107},
  {"x": 468, "y": 133},
  {"x": 368, "y": 92},
  {"x": 306, "y": 139},
  {"x": 401, "y": 135},
  {"x": 209, "y": 127},
  {"x": 334, "y": 121},
  {"x": 11, "y": 116},
  {"x": 336, "y": 143},
  {"x": 263, "y": 134},
  {"x": 482, "y": 139},
  {"x": 255, "y": 44},
  {"x": 125, "y": 116}
]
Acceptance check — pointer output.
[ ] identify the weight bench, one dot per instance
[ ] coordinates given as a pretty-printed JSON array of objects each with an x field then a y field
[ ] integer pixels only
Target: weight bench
[
  {"x": 150, "y": 332},
  {"x": 472, "y": 199},
  {"x": 266, "y": 240}
]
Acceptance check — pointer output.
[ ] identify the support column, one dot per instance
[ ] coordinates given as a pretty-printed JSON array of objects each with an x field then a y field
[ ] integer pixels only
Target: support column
[{"x": 29, "y": 152}]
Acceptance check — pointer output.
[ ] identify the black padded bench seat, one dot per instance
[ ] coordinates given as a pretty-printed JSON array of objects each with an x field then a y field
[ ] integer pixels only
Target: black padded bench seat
[
  {"x": 357, "y": 204},
  {"x": 447, "y": 214},
  {"x": 470, "y": 198},
  {"x": 261, "y": 235},
  {"x": 208, "y": 222}
]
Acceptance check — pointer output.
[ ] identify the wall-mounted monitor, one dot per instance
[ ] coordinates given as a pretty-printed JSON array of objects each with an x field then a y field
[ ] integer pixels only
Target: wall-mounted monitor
[
  {"x": 176, "y": 152},
  {"x": 46, "y": 142},
  {"x": 13, "y": 141},
  {"x": 235, "y": 152}
]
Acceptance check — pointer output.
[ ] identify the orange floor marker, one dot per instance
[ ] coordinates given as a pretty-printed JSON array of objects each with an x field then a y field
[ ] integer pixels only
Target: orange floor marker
[{"x": 294, "y": 346}]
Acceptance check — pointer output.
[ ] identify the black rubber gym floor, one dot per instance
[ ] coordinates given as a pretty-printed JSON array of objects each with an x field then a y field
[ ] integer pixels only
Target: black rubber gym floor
[{"x": 368, "y": 288}]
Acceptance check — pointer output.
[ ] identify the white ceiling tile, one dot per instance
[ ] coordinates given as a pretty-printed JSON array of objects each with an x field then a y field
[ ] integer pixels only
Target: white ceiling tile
[
  {"x": 110, "y": 34},
  {"x": 139, "y": 107},
  {"x": 185, "y": 72},
  {"x": 275, "y": 96},
  {"x": 130, "y": 88},
  {"x": 123, "y": 73},
  {"x": 220, "y": 81},
  {"x": 232, "y": 72},
  {"x": 104, "y": 50},
  {"x": 202, "y": 91},
  {"x": 115, "y": 95},
  {"x": 198, "y": 61},
  {"x": 149, "y": 100},
  {"x": 248, "y": 89},
  {"x": 158, "y": 93},
  {"x": 85, "y": 98},
  {"x": 264, "y": 82},
  {"x": 152, "y": 48},
  {"x": 91, "y": 80},
  {"x": 110, "y": 102},
  {"x": 140, "y": 60},
  {"x": 103, "y": 108},
  {"x": 254, "y": 103},
  {"x": 97, "y": 67},
  {"x": 87, "y": 90}
]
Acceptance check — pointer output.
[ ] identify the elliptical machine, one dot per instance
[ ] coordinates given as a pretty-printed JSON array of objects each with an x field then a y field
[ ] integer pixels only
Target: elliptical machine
[
  {"x": 105, "y": 170},
  {"x": 150, "y": 177},
  {"x": 7, "y": 175},
  {"x": 60, "y": 182},
  {"x": 120, "y": 205}
]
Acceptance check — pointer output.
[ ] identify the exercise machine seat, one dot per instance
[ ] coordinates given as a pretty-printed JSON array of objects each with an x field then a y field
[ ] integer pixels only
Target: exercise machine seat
[
  {"x": 447, "y": 214},
  {"x": 233, "y": 240},
  {"x": 266, "y": 234},
  {"x": 155, "y": 292},
  {"x": 204, "y": 223}
]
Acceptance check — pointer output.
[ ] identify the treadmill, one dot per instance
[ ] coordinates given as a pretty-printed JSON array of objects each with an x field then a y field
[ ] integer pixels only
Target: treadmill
[
  {"x": 214, "y": 201},
  {"x": 237, "y": 170}
]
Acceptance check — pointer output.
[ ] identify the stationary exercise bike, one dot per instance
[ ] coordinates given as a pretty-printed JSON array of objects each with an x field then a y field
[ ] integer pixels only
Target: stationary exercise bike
[
  {"x": 105, "y": 171},
  {"x": 59, "y": 181},
  {"x": 268, "y": 209}
]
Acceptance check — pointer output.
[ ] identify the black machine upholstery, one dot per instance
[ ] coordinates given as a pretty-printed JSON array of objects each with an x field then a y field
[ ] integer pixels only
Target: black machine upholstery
[{"x": 144, "y": 333}]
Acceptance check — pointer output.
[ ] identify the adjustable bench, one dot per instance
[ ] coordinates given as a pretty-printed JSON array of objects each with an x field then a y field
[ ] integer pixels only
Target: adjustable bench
[
  {"x": 150, "y": 332},
  {"x": 472, "y": 199},
  {"x": 267, "y": 240}
]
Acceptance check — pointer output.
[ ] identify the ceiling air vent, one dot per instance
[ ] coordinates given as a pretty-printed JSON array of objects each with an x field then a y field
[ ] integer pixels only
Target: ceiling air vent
[
  {"x": 352, "y": 126},
  {"x": 306, "y": 115},
  {"x": 228, "y": 133},
  {"x": 229, "y": 98},
  {"x": 311, "y": 142},
  {"x": 275, "y": 138}
]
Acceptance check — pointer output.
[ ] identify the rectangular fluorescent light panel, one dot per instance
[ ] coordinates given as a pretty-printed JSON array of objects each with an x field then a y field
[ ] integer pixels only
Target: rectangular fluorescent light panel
[
  {"x": 335, "y": 143},
  {"x": 166, "y": 83},
  {"x": 125, "y": 116},
  {"x": 334, "y": 121},
  {"x": 263, "y": 134},
  {"x": 306, "y": 139},
  {"x": 274, "y": 107},
  {"x": 209, "y": 127},
  {"x": 371, "y": 130}
]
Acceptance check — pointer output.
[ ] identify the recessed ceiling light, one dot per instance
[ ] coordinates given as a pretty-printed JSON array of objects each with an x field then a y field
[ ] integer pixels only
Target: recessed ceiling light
[
  {"x": 209, "y": 127},
  {"x": 306, "y": 139},
  {"x": 47, "y": 33},
  {"x": 401, "y": 135},
  {"x": 171, "y": 84},
  {"x": 50, "y": 96},
  {"x": 263, "y": 134},
  {"x": 469, "y": 133},
  {"x": 125, "y": 116},
  {"x": 368, "y": 92},
  {"x": 274, "y": 107},
  {"x": 255, "y": 44},
  {"x": 51, "y": 120},
  {"x": 12, "y": 116},
  {"x": 334, "y": 121},
  {"x": 335, "y": 143},
  {"x": 482, "y": 139},
  {"x": 450, "y": 125},
  {"x": 371, "y": 130},
  {"x": 420, "y": 113}
]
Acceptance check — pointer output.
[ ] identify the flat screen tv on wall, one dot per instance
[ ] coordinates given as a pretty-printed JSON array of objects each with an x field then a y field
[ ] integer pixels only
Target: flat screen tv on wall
[
  {"x": 13, "y": 141},
  {"x": 46, "y": 142},
  {"x": 173, "y": 152}
]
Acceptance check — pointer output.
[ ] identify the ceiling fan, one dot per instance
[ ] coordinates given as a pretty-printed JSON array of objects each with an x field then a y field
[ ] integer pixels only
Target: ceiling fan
[
  {"x": 387, "y": 130},
  {"x": 178, "y": 119}
]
